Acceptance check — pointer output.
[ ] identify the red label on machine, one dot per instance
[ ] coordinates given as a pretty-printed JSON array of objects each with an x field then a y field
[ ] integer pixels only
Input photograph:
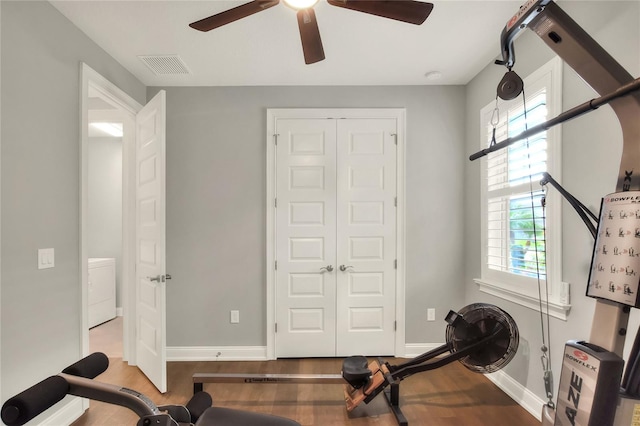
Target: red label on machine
[
  {"x": 580, "y": 355},
  {"x": 523, "y": 11}
]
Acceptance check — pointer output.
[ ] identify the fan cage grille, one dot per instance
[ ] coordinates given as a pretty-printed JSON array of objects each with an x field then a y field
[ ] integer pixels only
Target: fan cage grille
[{"x": 474, "y": 314}]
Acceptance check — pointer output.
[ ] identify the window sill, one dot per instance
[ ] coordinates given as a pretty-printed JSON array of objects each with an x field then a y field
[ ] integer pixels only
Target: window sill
[{"x": 556, "y": 310}]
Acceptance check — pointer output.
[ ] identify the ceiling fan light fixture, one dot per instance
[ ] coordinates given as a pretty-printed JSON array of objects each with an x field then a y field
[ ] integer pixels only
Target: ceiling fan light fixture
[{"x": 300, "y": 4}]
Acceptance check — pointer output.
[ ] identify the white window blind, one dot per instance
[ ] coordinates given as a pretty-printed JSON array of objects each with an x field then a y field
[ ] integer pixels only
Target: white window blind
[
  {"x": 518, "y": 253},
  {"x": 515, "y": 218}
]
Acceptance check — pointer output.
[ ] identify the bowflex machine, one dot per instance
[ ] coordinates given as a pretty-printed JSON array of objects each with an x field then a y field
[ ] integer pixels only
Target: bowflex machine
[
  {"x": 483, "y": 337},
  {"x": 592, "y": 391}
]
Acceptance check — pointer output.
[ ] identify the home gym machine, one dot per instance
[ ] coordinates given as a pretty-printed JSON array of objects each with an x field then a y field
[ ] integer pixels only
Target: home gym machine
[
  {"x": 483, "y": 337},
  {"x": 591, "y": 391},
  {"x": 77, "y": 379}
]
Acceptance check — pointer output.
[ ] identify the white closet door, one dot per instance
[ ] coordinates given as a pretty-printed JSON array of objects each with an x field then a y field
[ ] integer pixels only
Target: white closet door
[
  {"x": 305, "y": 242},
  {"x": 366, "y": 236}
]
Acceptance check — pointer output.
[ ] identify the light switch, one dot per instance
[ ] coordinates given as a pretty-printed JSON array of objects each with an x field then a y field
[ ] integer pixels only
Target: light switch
[
  {"x": 431, "y": 314},
  {"x": 46, "y": 258}
]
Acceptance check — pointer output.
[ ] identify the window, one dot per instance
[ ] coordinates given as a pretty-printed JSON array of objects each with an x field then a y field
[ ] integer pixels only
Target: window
[{"x": 521, "y": 239}]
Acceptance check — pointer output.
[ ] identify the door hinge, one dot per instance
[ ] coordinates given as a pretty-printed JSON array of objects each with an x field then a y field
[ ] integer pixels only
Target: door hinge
[
  {"x": 395, "y": 138},
  {"x": 395, "y": 264},
  {"x": 395, "y": 326},
  {"x": 276, "y": 327},
  {"x": 395, "y": 201},
  {"x": 276, "y": 265},
  {"x": 275, "y": 203},
  {"x": 275, "y": 138}
]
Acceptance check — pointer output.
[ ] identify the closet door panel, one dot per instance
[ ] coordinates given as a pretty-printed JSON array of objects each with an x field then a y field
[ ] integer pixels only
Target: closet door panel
[
  {"x": 366, "y": 236},
  {"x": 305, "y": 242}
]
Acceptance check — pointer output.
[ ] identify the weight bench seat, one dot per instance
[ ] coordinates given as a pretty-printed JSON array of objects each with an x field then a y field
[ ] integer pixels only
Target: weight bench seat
[{"x": 355, "y": 371}]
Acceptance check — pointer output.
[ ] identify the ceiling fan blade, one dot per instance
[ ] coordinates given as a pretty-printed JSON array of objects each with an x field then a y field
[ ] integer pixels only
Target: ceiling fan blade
[
  {"x": 310, "y": 36},
  {"x": 412, "y": 12},
  {"x": 231, "y": 15}
]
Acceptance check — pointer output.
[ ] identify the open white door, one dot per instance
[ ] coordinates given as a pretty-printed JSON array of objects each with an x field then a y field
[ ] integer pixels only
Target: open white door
[{"x": 150, "y": 242}]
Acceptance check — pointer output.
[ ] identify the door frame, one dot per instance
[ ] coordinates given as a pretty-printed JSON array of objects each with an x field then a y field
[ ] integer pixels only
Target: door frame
[
  {"x": 273, "y": 115},
  {"x": 90, "y": 80}
]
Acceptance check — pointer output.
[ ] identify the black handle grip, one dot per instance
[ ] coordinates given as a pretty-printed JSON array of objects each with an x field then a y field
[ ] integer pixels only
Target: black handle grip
[
  {"x": 28, "y": 404},
  {"x": 89, "y": 367}
]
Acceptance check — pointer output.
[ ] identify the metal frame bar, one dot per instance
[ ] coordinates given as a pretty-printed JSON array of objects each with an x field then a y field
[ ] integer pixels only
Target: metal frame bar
[
  {"x": 265, "y": 379},
  {"x": 561, "y": 118}
]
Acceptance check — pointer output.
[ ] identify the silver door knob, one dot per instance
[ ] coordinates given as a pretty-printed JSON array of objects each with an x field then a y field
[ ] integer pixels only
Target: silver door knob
[
  {"x": 344, "y": 268},
  {"x": 327, "y": 268},
  {"x": 160, "y": 278}
]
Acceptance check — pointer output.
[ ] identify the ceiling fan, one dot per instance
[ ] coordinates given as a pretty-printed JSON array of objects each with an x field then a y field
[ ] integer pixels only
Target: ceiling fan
[{"x": 410, "y": 11}]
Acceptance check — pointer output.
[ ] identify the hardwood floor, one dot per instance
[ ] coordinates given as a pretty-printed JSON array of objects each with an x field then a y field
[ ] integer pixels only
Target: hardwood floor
[
  {"x": 449, "y": 396},
  {"x": 107, "y": 338}
]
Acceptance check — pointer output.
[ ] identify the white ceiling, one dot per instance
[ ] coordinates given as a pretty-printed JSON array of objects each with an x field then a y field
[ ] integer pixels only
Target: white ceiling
[{"x": 458, "y": 40}]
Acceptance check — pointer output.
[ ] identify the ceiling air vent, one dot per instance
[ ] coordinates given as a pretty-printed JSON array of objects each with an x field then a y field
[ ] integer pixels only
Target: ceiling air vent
[{"x": 165, "y": 64}]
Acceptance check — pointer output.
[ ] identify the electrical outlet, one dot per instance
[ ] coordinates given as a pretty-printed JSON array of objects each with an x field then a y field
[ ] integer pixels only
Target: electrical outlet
[
  {"x": 235, "y": 317},
  {"x": 431, "y": 314}
]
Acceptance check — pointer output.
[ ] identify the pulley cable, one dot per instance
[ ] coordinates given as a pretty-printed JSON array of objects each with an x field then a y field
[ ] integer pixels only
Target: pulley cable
[{"x": 546, "y": 339}]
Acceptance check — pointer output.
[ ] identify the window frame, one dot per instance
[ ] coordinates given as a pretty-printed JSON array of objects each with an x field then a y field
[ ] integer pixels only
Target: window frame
[{"x": 514, "y": 287}]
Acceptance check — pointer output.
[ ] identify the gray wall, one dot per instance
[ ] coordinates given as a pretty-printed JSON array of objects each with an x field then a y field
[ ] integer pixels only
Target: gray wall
[
  {"x": 41, "y": 52},
  {"x": 104, "y": 206},
  {"x": 216, "y": 223},
  {"x": 216, "y": 192},
  {"x": 591, "y": 149}
]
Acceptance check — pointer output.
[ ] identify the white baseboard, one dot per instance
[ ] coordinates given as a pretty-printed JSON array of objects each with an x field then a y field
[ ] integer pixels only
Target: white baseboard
[
  {"x": 66, "y": 414},
  {"x": 222, "y": 353},
  {"x": 119, "y": 312},
  {"x": 256, "y": 353},
  {"x": 523, "y": 396},
  {"x": 412, "y": 350}
]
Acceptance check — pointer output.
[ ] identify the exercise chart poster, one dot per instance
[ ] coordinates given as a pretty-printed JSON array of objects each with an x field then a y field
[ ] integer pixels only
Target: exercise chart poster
[{"x": 615, "y": 265}]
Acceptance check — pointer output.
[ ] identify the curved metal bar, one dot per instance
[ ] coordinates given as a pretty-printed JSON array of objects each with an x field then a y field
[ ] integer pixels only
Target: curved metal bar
[{"x": 111, "y": 394}]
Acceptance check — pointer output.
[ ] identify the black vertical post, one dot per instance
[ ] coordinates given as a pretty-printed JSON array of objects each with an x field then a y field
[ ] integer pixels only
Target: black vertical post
[{"x": 392, "y": 395}]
